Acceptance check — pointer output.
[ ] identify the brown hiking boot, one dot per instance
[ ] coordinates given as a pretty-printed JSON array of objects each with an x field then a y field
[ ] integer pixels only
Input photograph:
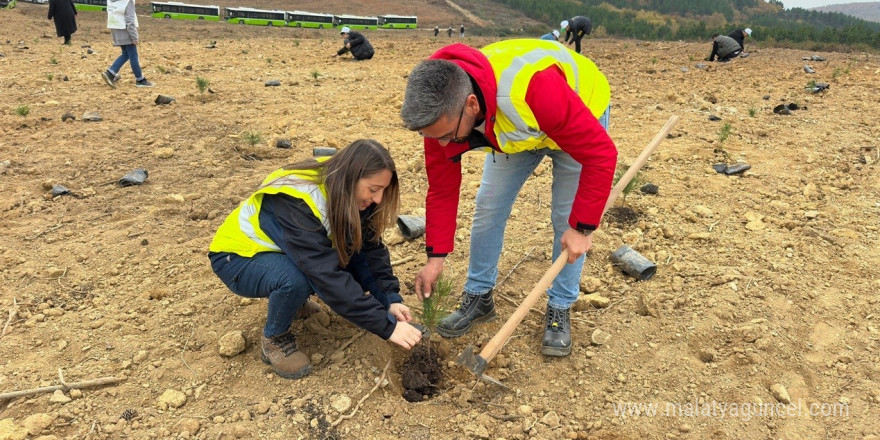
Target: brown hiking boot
[
  {"x": 308, "y": 309},
  {"x": 281, "y": 353}
]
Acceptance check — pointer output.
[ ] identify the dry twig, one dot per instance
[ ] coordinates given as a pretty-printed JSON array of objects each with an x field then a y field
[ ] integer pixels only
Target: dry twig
[
  {"x": 403, "y": 260},
  {"x": 40, "y": 234},
  {"x": 64, "y": 386},
  {"x": 358, "y": 406},
  {"x": 12, "y": 312},
  {"x": 510, "y": 272}
]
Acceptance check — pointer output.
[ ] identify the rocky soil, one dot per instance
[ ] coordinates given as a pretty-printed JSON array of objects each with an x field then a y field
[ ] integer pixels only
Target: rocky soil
[{"x": 765, "y": 290}]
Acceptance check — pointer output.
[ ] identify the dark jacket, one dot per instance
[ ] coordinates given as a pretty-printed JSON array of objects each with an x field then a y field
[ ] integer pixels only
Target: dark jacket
[
  {"x": 577, "y": 28},
  {"x": 740, "y": 36},
  {"x": 290, "y": 223},
  {"x": 361, "y": 49},
  {"x": 724, "y": 48},
  {"x": 64, "y": 14}
]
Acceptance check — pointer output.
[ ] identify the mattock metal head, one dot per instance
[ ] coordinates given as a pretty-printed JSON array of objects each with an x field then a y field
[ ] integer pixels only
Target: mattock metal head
[{"x": 477, "y": 365}]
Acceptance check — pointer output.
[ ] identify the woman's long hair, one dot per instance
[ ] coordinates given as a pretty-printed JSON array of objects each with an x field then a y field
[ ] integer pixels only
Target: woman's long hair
[{"x": 340, "y": 175}]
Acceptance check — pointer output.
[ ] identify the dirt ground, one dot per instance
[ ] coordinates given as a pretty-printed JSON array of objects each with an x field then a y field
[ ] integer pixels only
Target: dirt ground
[{"x": 766, "y": 280}]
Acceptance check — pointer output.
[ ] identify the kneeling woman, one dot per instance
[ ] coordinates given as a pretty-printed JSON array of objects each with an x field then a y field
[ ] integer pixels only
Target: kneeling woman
[{"x": 315, "y": 227}]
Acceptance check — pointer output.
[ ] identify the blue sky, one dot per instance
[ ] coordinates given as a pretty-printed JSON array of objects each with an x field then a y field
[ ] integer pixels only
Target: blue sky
[{"x": 813, "y": 3}]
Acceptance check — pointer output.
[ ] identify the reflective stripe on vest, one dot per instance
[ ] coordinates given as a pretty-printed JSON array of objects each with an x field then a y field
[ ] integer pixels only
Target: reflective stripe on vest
[
  {"x": 514, "y": 63},
  {"x": 240, "y": 233}
]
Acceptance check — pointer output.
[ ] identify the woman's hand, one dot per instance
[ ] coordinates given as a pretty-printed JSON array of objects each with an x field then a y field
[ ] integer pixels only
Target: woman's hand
[
  {"x": 401, "y": 312},
  {"x": 405, "y": 335}
]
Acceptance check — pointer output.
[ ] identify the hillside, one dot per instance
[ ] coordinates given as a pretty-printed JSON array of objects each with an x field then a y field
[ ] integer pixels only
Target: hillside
[{"x": 866, "y": 11}]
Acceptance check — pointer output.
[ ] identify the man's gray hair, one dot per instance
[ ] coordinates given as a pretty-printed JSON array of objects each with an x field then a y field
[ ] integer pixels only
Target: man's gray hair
[{"x": 435, "y": 88}]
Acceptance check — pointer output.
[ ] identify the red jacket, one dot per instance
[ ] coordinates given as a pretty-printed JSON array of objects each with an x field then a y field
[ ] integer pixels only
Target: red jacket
[{"x": 560, "y": 113}]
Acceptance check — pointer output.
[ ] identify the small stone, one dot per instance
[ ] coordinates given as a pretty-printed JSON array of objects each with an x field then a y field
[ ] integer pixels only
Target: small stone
[
  {"x": 341, "y": 403},
  {"x": 92, "y": 117},
  {"x": 650, "y": 188},
  {"x": 591, "y": 284},
  {"x": 232, "y": 343},
  {"x": 597, "y": 301},
  {"x": 139, "y": 357},
  {"x": 10, "y": 431},
  {"x": 780, "y": 393},
  {"x": 36, "y": 423},
  {"x": 68, "y": 117},
  {"x": 90, "y": 51},
  {"x": 76, "y": 394},
  {"x": 171, "y": 399},
  {"x": 707, "y": 355},
  {"x": 525, "y": 410},
  {"x": 599, "y": 337},
  {"x": 59, "y": 397},
  {"x": 164, "y": 153},
  {"x": 551, "y": 419},
  {"x": 685, "y": 428},
  {"x": 189, "y": 425},
  {"x": 273, "y": 83}
]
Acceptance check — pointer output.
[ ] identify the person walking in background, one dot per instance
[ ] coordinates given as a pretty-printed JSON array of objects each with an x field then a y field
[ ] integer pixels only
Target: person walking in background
[
  {"x": 449, "y": 31},
  {"x": 724, "y": 48},
  {"x": 436, "y": 31},
  {"x": 123, "y": 24},
  {"x": 521, "y": 101},
  {"x": 575, "y": 29},
  {"x": 64, "y": 13},
  {"x": 356, "y": 43},
  {"x": 461, "y": 31},
  {"x": 315, "y": 227},
  {"x": 552, "y": 36}
]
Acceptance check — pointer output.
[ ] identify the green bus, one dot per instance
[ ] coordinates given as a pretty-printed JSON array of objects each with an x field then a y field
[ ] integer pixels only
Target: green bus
[
  {"x": 356, "y": 22},
  {"x": 90, "y": 5},
  {"x": 398, "y": 21},
  {"x": 302, "y": 19},
  {"x": 259, "y": 17},
  {"x": 183, "y": 11}
]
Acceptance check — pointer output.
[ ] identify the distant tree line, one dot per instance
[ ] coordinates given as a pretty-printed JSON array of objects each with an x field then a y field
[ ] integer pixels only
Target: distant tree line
[{"x": 697, "y": 19}]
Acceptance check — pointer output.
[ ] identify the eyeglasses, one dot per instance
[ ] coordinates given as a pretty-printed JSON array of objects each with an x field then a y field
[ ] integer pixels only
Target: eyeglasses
[{"x": 454, "y": 137}]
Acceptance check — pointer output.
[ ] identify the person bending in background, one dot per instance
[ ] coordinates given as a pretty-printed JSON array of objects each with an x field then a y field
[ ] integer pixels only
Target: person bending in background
[
  {"x": 740, "y": 35},
  {"x": 724, "y": 48},
  {"x": 356, "y": 43},
  {"x": 551, "y": 36},
  {"x": 315, "y": 227},
  {"x": 64, "y": 13},
  {"x": 520, "y": 101},
  {"x": 575, "y": 29}
]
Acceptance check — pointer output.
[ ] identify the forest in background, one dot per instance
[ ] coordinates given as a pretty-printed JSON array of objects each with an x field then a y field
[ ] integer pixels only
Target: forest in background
[{"x": 698, "y": 19}]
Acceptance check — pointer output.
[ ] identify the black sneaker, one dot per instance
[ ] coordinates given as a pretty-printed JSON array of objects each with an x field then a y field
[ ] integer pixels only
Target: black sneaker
[
  {"x": 109, "y": 78},
  {"x": 472, "y": 310},
  {"x": 557, "y": 333},
  {"x": 143, "y": 83}
]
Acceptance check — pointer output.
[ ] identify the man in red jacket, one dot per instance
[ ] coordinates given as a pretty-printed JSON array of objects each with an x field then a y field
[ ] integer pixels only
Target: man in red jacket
[{"x": 549, "y": 102}]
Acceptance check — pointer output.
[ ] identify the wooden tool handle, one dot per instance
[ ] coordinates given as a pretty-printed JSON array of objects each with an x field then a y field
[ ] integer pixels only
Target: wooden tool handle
[
  {"x": 500, "y": 338},
  {"x": 494, "y": 345}
]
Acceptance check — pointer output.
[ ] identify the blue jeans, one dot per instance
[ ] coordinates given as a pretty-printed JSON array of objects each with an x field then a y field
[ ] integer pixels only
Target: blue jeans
[
  {"x": 130, "y": 54},
  {"x": 503, "y": 177},
  {"x": 273, "y": 275}
]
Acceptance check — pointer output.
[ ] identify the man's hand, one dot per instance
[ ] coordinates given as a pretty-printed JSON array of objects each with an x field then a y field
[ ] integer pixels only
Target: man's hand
[
  {"x": 401, "y": 312},
  {"x": 428, "y": 276},
  {"x": 405, "y": 335},
  {"x": 576, "y": 243}
]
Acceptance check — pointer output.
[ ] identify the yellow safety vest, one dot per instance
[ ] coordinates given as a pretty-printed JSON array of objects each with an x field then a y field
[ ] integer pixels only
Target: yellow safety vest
[
  {"x": 514, "y": 62},
  {"x": 240, "y": 233}
]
